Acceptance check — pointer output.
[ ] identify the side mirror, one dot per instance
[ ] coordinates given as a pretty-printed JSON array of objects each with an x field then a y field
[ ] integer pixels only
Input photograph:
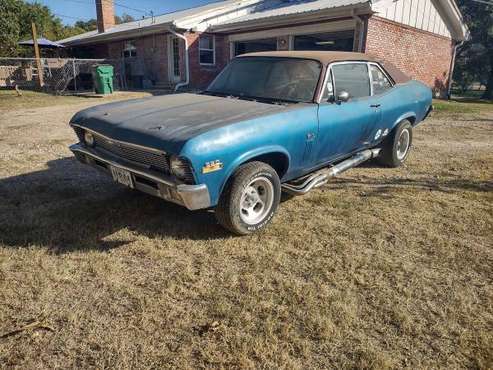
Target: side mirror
[{"x": 343, "y": 97}]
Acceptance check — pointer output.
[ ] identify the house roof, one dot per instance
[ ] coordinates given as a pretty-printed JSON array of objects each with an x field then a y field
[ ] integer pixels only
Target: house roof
[
  {"x": 231, "y": 15},
  {"x": 271, "y": 9},
  {"x": 159, "y": 22}
]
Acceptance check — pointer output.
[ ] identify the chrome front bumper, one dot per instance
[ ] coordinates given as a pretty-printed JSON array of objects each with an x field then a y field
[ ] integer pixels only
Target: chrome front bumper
[{"x": 151, "y": 182}]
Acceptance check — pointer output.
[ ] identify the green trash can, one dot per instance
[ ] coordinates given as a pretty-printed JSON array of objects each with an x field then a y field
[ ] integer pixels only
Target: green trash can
[{"x": 103, "y": 79}]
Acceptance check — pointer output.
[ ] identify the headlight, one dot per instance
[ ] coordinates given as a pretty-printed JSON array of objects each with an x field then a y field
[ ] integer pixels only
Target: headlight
[
  {"x": 180, "y": 167},
  {"x": 89, "y": 138}
]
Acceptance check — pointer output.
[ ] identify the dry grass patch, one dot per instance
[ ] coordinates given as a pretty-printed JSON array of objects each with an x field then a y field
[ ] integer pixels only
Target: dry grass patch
[{"x": 382, "y": 268}]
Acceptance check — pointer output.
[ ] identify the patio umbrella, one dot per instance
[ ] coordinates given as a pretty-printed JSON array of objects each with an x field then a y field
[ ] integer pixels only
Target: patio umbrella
[{"x": 42, "y": 43}]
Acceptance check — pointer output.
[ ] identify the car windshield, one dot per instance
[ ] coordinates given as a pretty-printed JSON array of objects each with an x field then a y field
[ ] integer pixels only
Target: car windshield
[{"x": 270, "y": 79}]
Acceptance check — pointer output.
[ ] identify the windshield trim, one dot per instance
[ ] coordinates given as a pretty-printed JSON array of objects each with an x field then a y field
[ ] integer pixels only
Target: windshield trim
[{"x": 317, "y": 87}]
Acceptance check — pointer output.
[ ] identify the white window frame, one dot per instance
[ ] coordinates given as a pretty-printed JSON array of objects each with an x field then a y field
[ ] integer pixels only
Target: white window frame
[
  {"x": 329, "y": 72},
  {"x": 213, "y": 50},
  {"x": 383, "y": 72},
  {"x": 129, "y": 45}
]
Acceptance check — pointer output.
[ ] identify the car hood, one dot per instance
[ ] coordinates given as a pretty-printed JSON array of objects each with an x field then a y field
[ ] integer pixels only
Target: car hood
[{"x": 167, "y": 122}]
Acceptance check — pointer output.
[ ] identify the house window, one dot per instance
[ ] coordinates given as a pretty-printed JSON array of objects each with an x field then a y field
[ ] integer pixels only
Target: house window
[
  {"x": 342, "y": 41},
  {"x": 207, "y": 53},
  {"x": 129, "y": 49},
  {"x": 176, "y": 56},
  {"x": 250, "y": 46}
]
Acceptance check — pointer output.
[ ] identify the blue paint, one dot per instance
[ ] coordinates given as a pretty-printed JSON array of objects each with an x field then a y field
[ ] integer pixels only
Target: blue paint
[
  {"x": 233, "y": 130},
  {"x": 339, "y": 130}
]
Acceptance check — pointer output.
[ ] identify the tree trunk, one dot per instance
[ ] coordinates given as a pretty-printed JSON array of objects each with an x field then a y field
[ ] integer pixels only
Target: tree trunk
[{"x": 488, "y": 94}]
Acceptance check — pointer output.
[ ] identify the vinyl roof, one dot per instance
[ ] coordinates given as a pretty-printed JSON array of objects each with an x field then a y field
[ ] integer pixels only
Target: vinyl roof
[
  {"x": 323, "y": 57},
  {"x": 326, "y": 57}
]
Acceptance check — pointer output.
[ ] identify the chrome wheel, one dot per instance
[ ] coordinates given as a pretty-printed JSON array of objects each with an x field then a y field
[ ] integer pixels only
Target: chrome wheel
[
  {"x": 256, "y": 200},
  {"x": 403, "y": 144}
]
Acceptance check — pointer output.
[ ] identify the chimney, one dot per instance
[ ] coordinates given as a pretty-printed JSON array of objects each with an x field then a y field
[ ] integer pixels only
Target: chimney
[{"x": 105, "y": 13}]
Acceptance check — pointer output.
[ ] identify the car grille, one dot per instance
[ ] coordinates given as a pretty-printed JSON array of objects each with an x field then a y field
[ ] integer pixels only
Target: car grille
[
  {"x": 158, "y": 161},
  {"x": 131, "y": 153}
]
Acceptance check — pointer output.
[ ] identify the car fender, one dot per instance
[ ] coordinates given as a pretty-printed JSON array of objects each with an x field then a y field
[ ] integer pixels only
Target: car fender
[
  {"x": 247, "y": 156},
  {"x": 408, "y": 115}
]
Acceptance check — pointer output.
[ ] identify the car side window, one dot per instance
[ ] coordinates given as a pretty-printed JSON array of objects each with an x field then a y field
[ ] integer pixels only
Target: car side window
[
  {"x": 380, "y": 83},
  {"x": 352, "y": 78},
  {"x": 328, "y": 91}
]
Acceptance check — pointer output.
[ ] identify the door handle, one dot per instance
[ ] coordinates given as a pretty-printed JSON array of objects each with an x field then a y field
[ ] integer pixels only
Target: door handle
[
  {"x": 310, "y": 136},
  {"x": 375, "y": 106}
]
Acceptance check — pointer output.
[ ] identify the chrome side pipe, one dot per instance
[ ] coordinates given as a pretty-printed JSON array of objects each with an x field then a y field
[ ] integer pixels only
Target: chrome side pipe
[{"x": 305, "y": 184}]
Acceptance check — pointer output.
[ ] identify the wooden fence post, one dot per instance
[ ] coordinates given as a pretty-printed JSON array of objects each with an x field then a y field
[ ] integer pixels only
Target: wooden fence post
[{"x": 38, "y": 57}]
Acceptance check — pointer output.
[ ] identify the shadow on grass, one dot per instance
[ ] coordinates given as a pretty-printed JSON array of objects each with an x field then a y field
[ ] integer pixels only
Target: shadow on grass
[
  {"x": 70, "y": 207},
  {"x": 385, "y": 187}
]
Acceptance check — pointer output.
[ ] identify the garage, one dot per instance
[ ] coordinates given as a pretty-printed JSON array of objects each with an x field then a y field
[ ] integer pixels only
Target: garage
[
  {"x": 250, "y": 46},
  {"x": 328, "y": 41}
]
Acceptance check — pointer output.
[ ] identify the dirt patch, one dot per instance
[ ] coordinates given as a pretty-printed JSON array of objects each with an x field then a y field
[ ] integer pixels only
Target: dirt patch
[{"x": 382, "y": 268}]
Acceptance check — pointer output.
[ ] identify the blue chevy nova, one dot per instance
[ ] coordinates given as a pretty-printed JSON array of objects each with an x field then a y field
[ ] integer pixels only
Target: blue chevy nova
[{"x": 270, "y": 122}]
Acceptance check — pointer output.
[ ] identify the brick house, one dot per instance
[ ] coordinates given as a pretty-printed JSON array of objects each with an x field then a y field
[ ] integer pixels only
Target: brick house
[{"x": 190, "y": 47}]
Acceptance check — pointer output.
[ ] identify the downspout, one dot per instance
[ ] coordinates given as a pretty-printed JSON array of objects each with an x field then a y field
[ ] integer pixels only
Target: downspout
[
  {"x": 361, "y": 24},
  {"x": 451, "y": 69},
  {"x": 187, "y": 66}
]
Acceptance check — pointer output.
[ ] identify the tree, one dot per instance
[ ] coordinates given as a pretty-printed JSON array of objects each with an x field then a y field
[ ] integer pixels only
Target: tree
[
  {"x": 9, "y": 26},
  {"x": 15, "y": 25},
  {"x": 87, "y": 26},
  {"x": 125, "y": 18},
  {"x": 475, "y": 56}
]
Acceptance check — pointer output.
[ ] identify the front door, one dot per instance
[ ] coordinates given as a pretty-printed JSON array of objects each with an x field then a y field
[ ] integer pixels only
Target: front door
[
  {"x": 345, "y": 127},
  {"x": 174, "y": 59}
]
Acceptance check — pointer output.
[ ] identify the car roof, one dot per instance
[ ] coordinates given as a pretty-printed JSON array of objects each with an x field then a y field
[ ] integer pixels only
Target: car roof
[
  {"x": 323, "y": 57},
  {"x": 326, "y": 57}
]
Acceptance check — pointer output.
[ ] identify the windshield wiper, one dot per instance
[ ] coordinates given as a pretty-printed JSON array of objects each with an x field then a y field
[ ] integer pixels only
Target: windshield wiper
[
  {"x": 221, "y": 94},
  {"x": 262, "y": 99},
  {"x": 278, "y": 101}
]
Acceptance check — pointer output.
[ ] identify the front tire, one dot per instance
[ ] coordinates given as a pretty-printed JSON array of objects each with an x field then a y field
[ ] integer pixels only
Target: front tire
[
  {"x": 250, "y": 198},
  {"x": 397, "y": 146}
]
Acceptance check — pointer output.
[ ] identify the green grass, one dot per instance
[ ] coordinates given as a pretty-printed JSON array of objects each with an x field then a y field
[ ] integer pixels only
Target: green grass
[
  {"x": 462, "y": 105},
  {"x": 382, "y": 268},
  {"x": 10, "y": 100}
]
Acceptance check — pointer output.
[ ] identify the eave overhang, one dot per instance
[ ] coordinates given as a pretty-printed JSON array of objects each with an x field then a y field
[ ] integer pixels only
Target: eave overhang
[{"x": 293, "y": 19}]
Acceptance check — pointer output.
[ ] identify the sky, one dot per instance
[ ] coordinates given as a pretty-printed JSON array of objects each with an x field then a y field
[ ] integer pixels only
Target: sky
[{"x": 70, "y": 11}]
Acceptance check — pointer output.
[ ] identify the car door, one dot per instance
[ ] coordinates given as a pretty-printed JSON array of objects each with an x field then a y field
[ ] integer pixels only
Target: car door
[
  {"x": 381, "y": 86},
  {"x": 345, "y": 126}
]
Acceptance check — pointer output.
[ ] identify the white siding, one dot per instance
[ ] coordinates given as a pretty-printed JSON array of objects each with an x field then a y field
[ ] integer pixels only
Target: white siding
[{"x": 420, "y": 14}]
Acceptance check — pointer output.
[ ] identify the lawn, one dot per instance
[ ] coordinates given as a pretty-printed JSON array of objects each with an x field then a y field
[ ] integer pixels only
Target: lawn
[
  {"x": 380, "y": 269},
  {"x": 10, "y": 100}
]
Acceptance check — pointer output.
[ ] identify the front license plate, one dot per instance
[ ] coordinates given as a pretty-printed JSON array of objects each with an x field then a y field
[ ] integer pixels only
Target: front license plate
[{"x": 122, "y": 176}]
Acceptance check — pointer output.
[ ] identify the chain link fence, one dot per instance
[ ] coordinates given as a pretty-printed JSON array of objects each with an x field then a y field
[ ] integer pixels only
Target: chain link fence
[{"x": 60, "y": 75}]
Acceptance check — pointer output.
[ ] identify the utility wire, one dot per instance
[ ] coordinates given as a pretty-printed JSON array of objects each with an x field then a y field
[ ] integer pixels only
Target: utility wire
[
  {"x": 115, "y": 3},
  {"x": 68, "y": 16}
]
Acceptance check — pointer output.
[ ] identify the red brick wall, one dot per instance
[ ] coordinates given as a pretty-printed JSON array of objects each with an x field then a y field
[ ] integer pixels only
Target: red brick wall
[
  {"x": 421, "y": 55},
  {"x": 202, "y": 75},
  {"x": 151, "y": 50}
]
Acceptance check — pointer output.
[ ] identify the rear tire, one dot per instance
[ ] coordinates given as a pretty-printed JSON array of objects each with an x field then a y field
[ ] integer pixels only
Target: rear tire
[
  {"x": 250, "y": 198},
  {"x": 397, "y": 145}
]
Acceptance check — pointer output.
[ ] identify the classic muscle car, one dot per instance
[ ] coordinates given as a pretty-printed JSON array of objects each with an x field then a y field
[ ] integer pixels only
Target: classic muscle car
[{"x": 270, "y": 122}]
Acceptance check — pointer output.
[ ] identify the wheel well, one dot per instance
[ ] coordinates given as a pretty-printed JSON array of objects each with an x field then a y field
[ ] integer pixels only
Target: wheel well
[
  {"x": 278, "y": 161},
  {"x": 412, "y": 119}
]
